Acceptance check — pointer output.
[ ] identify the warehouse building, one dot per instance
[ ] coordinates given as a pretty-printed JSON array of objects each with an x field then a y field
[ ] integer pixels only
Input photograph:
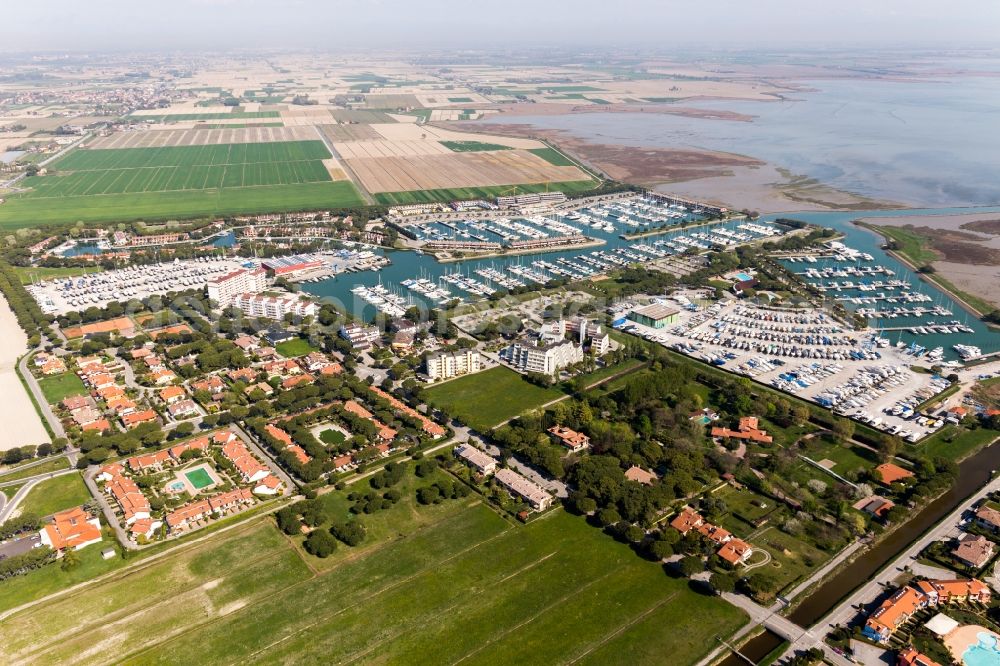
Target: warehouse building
[{"x": 656, "y": 315}]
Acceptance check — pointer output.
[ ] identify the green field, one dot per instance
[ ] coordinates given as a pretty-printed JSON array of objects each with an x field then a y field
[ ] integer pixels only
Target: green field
[
  {"x": 552, "y": 156},
  {"x": 294, "y": 348},
  {"x": 181, "y": 117},
  {"x": 488, "y": 398},
  {"x": 168, "y": 169},
  {"x": 472, "y": 146},
  {"x": 460, "y": 100},
  {"x": 21, "y": 472},
  {"x": 55, "y": 494},
  {"x": 26, "y": 212},
  {"x": 963, "y": 442},
  {"x": 57, "y": 387},
  {"x": 471, "y": 587},
  {"x": 486, "y": 192},
  {"x": 183, "y": 181}
]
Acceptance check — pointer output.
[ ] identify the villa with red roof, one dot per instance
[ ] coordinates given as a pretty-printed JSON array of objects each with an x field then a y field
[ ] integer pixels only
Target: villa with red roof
[
  {"x": 748, "y": 429},
  {"x": 571, "y": 439},
  {"x": 71, "y": 529}
]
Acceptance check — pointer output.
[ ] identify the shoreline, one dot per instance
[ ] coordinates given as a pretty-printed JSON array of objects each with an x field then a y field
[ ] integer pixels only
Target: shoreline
[{"x": 23, "y": 424}]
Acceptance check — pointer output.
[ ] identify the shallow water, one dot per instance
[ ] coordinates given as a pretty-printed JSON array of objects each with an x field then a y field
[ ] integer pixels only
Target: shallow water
[{"x": 924, "y": 143}]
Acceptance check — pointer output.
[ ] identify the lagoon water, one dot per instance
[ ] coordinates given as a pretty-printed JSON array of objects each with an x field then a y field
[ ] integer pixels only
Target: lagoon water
[{"x": 923, "y": 143}]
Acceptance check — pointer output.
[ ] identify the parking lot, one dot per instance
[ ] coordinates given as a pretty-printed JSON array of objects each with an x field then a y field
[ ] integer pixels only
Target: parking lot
[
  {"x": 62, "y": 295},
  {"x": 810, "y": 355}
]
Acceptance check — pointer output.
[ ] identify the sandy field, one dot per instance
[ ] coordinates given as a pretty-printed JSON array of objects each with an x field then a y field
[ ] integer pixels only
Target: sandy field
[
  {"x": 305, "y": 115},
  {"x": 428, "y": 172},
  {"x": 22, "y": 425},
  {"x": 203, "y": 137},
  {"x": 338, "y": 133},
  {"x": 409, "y": 132}
]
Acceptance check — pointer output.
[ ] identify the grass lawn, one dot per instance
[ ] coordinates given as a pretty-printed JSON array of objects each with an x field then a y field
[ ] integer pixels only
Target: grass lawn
[
  {"x": 485, "y": 192},
  {"x": 744, "y": 507},
  {"x": 21, "y": 472},
  {"x": 847, "y": 458},
  {"x": 489, "y": 397},
  {"x": 57, "y": 387},
  {"x": 955, "y": 442},
  {"x": 473, "y": 587},
  {"x": 56, "y": 494},
  {"x": 331, "y": 436},
  {"x": 29, "y": 273},
  {"x": 791, "y": 558},
  {"x": 460, "y": 100},
  {"x": 592, "y": 378},
  {"x": 294, "y": 348}
]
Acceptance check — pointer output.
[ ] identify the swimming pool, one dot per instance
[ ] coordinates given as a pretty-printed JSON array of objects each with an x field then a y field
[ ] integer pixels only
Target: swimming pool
[
  {"x": 743, "y": 277},
  {"x": 199, "y": 478},
  {"x": 983, "y": 653},
  {"x": 175, "y": 486}
]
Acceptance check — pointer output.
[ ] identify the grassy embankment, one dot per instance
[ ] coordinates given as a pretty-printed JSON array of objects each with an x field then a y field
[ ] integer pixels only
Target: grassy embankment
[{"x": 918, "y": 251}]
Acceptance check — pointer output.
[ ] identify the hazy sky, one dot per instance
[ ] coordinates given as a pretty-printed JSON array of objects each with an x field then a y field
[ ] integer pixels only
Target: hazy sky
[{"x": 44, "y": 25}]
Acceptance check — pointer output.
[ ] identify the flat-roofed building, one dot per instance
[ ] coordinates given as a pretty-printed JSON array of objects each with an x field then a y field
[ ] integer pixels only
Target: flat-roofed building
[
  {"x": 274, "y": 307},
  {"x": 655, "y": 315},
  {"x": 448, "y": 365},
  {"x": 529, "y": 491},
  {"x": 546, "y": 359},
  {"x": 225, "y": 288}
]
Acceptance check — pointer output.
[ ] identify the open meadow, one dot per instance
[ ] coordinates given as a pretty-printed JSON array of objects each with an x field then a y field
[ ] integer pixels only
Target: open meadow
[
  {"x": 487, "y": 398},
  {"x": 467, "y": 588}
]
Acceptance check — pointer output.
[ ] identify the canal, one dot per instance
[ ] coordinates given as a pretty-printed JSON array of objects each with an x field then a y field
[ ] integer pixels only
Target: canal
[{"x": 973, "y": 473}]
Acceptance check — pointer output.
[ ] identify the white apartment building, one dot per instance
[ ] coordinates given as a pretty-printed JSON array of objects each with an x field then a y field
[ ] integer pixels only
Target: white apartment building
[
  {"x": 445, "y": 366},
  {"x": 225, "y": 288},
  {"x": 547, "y": 359},
  {"x": 274, "y": 307}
]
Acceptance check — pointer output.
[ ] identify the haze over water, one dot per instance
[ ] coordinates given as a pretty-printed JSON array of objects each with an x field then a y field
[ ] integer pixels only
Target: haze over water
[{"x": 926, "y": 143}]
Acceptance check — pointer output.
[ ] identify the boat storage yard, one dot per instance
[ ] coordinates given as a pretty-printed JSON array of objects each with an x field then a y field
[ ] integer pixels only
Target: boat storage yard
[{"x": 810, "y": 355}]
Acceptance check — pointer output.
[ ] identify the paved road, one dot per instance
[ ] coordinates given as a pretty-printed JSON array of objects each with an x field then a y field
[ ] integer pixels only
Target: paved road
[{"x": 54, "y": 423}]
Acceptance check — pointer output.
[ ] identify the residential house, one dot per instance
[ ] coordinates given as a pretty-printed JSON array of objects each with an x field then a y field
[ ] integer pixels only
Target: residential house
[
  {"x": 171, "y": 394},
  {"x": 212, "y": 385},
  {"x": 897, "y": 609},
  {"x": 249, "y": 467},
  {"x": 136, "y": 419},
  {"x": 639, "y": 475},
  {"x": 910, "y": 657},
  {"x": 183, "y": 408},
  {"x": 71, "y": 529},
  {"x": 988, "y": 518},
  {"x": 482, "y": 462},
  {"x": 735, "y": 551},
  {"x": 888, "y": 473},
  {"x": 188, "y": 514},
  {"x": 973, "y": 550},
  {"x": 748, "y": 429},
  {"x": 242, "y": 375},
  {"x": 148, "y": 461},
  {"x": 269, "y": 485},
  {"x": 687, "y": 520},
  {"x": 571, "y": 439},
  {"x": 536, "y": 496}
]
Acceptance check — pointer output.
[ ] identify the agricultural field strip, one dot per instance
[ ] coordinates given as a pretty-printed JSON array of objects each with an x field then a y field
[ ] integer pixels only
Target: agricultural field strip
[
  {"x": 184, "y": 168},
  {"x": 198, "y": 137},
  {"x": 452, "y": 170}
]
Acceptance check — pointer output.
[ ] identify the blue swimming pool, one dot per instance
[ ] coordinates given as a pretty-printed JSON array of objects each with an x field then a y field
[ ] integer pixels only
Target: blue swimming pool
[
  {"x": 983, "y": 653},
  {"x": 743, "y": 277},
  {"x": 176, "y": 486}
]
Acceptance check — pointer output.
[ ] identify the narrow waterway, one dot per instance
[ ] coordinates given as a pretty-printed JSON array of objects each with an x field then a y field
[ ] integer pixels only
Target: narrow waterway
[{"x": 973, "y": 473}]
